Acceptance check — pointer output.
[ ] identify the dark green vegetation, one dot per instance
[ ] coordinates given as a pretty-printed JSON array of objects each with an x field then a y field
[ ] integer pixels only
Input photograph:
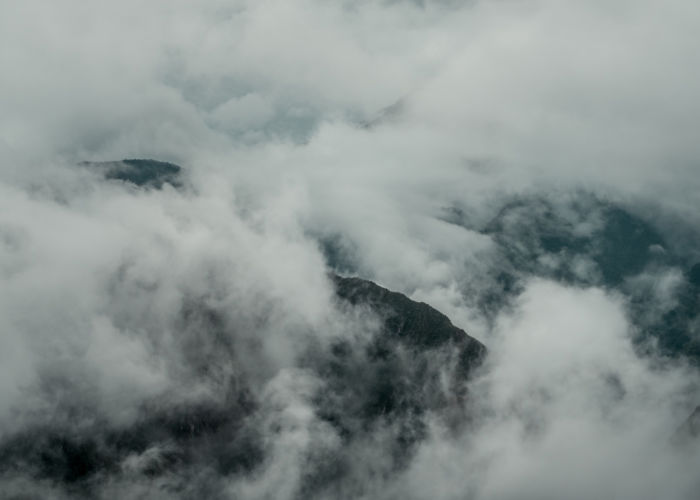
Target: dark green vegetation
[
  {"x": 583, "y": 241},
  {"x": 677, "y": 331},
  {"x": 386, "y": 386},
  {"x": 165, "y": 440},
  {"x": 586, "y": 241},
  {"x": 382, "y": 386},
  {"x": 414, "y": 324},
  {"x": 144, "y": 173},
  {"x": 578, "y": 240}
]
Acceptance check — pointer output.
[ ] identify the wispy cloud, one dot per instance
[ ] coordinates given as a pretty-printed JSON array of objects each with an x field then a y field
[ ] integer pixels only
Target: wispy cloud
[{"x": 392, "y": 139}]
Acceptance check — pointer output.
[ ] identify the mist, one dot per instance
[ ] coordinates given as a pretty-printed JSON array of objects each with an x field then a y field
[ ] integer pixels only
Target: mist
[{"x": 526, "y": 167}]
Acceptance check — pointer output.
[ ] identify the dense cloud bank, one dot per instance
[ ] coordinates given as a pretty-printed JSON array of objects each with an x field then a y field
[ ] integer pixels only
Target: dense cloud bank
[{"x": 177, "y": 328}]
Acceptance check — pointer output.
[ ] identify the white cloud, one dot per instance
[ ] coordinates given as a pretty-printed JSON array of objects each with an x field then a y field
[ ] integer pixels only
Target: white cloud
[{"x": 275, "y": 108}]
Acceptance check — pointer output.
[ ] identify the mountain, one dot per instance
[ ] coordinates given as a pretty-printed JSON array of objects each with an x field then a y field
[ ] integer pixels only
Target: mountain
[
  {"x": 581, "y": 240},
  {"x": 413, "y": 324},
  {"x": 385, "y": 386},
  {"x": 140, "y": 172}
]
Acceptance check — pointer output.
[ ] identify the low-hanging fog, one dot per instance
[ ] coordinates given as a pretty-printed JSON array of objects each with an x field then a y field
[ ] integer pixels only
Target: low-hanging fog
[{"x": 527, "y": 167}]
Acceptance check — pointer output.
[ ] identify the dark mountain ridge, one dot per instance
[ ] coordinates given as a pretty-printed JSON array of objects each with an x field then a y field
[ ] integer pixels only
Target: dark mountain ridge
[
  {"x": 386, "y": 387},
  {"x": 139, "y": 172}
]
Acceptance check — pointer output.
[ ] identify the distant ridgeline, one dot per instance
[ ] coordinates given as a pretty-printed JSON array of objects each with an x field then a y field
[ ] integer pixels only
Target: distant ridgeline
[
  {"x": 577, "y": 240},
  {"x": 585, "y": 241},
  {"x": 140, "y": 172}
]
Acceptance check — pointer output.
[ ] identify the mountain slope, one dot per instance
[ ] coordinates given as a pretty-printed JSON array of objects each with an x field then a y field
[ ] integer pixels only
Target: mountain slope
[{"x": 382, "y": 387}]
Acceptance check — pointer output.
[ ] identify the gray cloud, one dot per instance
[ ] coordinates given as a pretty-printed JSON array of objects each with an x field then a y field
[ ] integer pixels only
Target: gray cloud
[{"x": 386, "y": 139}]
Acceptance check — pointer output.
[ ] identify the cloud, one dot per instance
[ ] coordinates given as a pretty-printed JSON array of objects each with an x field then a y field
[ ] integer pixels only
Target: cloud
[
  {"x": 387, "y": 138},
  {"x": 570, "y": 411}
]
